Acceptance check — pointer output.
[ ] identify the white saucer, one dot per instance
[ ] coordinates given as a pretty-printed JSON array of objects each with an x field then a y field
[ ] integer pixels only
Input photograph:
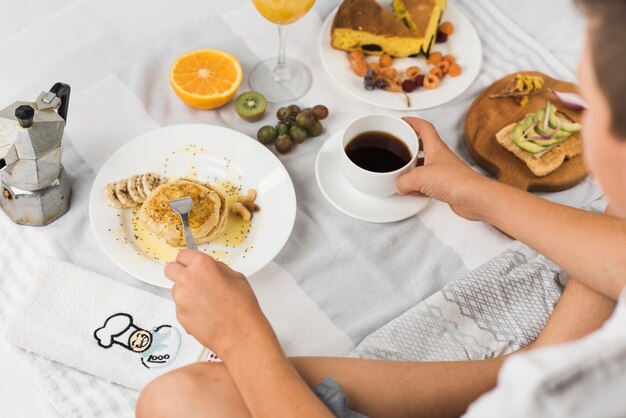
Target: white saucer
[{"x": 352, "y": 202}]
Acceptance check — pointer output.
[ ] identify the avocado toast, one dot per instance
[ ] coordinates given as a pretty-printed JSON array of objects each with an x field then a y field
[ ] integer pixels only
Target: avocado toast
[{"x": 542, "y": 140}]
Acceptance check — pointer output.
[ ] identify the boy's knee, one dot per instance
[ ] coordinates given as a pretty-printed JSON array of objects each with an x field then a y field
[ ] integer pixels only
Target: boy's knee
[{"x": 165, "y": 395}]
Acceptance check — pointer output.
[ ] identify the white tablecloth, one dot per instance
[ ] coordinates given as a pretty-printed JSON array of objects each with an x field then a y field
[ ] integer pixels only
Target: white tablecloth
[{"x": 115, "y": 55}]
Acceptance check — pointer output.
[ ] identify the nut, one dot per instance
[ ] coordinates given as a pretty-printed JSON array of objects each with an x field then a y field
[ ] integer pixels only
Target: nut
[
  {"x": 248, "y": 197},
  {"x": 251, "y": 206},
  {"x": 242, "y": 211}
]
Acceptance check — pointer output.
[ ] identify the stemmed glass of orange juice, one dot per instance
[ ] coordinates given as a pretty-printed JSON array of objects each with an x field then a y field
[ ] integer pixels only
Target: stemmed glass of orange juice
[{"x": 281, "y": 79}]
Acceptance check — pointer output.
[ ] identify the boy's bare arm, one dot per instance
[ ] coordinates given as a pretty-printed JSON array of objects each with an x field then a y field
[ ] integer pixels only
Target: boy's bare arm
[{"x": 589, "y": 246}]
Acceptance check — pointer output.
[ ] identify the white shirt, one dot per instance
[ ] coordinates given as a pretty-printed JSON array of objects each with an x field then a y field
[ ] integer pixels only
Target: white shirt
[{"x": 584, "y": 378}]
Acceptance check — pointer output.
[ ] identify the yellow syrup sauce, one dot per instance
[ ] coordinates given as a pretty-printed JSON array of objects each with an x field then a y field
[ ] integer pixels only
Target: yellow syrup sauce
[
  {"x": 189, "y": 161},
  {"x": 155, "y": 247},
  {"x": 237, "y": 229},
  {"x": 149, "y": 243}
]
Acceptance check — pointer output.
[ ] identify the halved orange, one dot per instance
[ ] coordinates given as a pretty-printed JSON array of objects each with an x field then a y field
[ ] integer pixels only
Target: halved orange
[{"x": 206, "y": 78}]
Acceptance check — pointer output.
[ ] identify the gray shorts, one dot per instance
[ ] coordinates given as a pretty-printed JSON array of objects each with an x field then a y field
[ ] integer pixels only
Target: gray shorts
[{"x": 335, "y": 399}]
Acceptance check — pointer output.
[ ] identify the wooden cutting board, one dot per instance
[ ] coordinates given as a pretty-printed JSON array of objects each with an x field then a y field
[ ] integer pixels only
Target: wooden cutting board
[{"x": 487, "y": 116}]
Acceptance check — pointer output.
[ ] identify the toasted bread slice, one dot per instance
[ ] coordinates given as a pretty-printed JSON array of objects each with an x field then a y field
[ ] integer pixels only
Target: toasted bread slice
[{"x": 548, "y": 162}]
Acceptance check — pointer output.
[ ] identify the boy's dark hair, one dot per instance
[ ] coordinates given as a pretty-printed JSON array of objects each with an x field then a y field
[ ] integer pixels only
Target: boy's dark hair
[{"x": 608, "y": 43}]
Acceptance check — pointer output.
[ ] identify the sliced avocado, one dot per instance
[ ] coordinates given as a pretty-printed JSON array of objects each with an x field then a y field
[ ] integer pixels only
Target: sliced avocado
[
  {"x": 561, "y": 135},
  {"x": 565, "y": 124},
  {"x": 546, "y": 142},
  {"x": 571, "y": 127},
  {"x": 532, "y": 133},
  {"x": 552, "y": 117},
  {"x": 523, "y": 143},
  {"x": 528, "y": 121},
  {"x": 540, "y": 115}
]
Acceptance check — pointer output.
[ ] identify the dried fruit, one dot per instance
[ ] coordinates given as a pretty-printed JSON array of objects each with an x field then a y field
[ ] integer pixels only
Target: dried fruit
[
  {"x": 521, "y": 87},
  {"x": 360, "y": 68},
  {"x": 389, "y": 73},
  {"x": 447, "y": 28},
  {"x": 355, "y": 56},
  {"x": 431, "y": 81},
  {"x": 385, "y": 61},
  {"x": 436, "y": 71},
  {"x": 374, "y": 67},
  {"x": 412, "y": 71},
  {"x": 408, "y": 85},
  {"x": 372, "y": 81},
  {"x": 441, "y": 38},
  {"x": 419, "y": 80},
  {"x": 444, "y": 66},
  {"x": 450, "y": 58},
  {"x": 435, "y": 57},
  {"x": 455, "y": 70}
]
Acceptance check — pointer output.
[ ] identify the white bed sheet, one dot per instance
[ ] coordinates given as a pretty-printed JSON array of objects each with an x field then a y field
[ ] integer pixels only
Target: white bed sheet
[{"x": 556, "y": 24}]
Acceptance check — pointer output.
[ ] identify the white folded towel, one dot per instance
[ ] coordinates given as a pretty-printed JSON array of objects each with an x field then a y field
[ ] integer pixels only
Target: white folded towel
[{"x": 102, "y": 327}]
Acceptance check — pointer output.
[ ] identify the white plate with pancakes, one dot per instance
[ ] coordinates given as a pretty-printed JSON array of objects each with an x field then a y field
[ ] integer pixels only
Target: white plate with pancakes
[
  {"x": 227, "y": 160},
  {"x": 464, "y": 44}
]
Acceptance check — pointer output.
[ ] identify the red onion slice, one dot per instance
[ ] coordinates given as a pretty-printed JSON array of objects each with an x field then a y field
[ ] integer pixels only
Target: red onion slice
[
  {"x": 533, "y": 126},
  {"x": 571, "y": 100},
  {"x": 547, "y": 118},
  {"x": 550, "y": 134}
]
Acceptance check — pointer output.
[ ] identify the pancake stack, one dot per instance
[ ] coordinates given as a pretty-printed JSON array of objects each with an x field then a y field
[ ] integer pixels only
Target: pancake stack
[{"x": 207, "y": 219}]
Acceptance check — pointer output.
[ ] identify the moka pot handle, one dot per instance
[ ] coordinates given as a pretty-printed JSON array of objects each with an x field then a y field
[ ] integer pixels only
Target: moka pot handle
[{"x": 62, "y": 91}]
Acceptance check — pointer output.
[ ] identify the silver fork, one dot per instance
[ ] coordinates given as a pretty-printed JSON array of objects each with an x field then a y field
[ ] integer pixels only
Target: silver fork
[{"x": 183, "y": 207}]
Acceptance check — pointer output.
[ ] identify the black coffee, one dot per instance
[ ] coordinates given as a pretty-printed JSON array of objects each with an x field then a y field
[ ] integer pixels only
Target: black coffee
[{"x": 378, "y": 151}]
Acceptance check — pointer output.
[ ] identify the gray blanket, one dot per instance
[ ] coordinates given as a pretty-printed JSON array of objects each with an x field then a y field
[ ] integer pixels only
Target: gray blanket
[{"x": 493, "y": 310}]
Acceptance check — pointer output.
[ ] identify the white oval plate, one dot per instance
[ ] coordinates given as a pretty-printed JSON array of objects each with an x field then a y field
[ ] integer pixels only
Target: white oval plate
[
  {"x": 464, "y": 44},
  {"x": 352, "y": 202},
  {"x": 220, "y": 153}
]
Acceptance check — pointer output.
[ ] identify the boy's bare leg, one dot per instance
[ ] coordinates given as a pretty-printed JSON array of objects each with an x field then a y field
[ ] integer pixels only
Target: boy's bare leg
[
  {"x": 375, "y": 388},
  {"x": 580, "y": 311}
]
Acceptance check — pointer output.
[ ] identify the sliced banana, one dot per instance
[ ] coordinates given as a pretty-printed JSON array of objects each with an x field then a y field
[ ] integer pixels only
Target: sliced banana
[
  {"x": 139, "y": 186},
  {"x": 150, "y": 181},
  {"x": 133, "y": 191},
  {"x": 111, "y": 197},
  {"x": 121, "y": 191}
]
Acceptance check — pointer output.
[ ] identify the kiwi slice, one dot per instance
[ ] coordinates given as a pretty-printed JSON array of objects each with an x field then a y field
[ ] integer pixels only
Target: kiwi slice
[{"x": 251, "y": 106}]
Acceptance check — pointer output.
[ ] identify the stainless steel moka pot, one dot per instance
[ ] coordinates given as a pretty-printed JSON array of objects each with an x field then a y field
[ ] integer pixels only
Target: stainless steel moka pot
[{"x": 34, "y": 187}]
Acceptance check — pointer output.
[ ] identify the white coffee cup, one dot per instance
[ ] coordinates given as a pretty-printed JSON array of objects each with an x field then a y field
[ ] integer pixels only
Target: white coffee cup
[{"x": 370, "y": 182}]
